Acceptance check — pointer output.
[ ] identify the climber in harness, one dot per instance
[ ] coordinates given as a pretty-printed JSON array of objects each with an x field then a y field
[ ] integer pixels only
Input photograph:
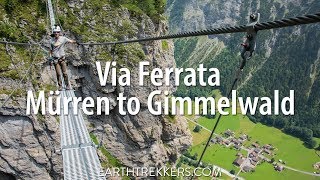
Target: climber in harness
[
  {"x": 249, "y": 45},
  {"x": 57, "y": 55}
]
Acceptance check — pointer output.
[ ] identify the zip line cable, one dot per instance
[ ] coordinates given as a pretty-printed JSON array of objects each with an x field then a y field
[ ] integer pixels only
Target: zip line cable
[
  {"x": 238, "y": 75},
  {"x": 306, "y": 19},
  {"x": 286, "y": 22},
  {"x": 219, "y": 118},
  {"x": 248, "y": 49}
]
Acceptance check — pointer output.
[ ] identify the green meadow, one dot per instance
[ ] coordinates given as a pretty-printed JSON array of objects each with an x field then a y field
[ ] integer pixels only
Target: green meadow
[
  {"x": 265, "y": 171},
  {"x": 288, "y": 148},
  {"x": 217, "y": 155}
]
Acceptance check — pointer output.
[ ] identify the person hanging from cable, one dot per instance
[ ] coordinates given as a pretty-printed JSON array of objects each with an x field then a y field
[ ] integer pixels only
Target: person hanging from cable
[
  {"x": 57, "y": 55},
  {"x": 248, "y": 46}
]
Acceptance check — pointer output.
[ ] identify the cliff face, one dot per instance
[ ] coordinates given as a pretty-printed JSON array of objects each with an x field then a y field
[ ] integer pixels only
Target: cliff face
[
  {"x": 285, "y": 58},
  {"x": 29, "y": 144},
  {"x": 144, "y": 139},
  {"x": 28, "y": 147}
]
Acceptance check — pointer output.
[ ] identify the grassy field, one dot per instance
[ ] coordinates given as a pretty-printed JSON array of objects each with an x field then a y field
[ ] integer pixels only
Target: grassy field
[
  {"x": 288, "y": 148},
  {"x": 217, "y": 155},
  {"x": 263, "y": 172},
  {"x": 200, "y": 137}
]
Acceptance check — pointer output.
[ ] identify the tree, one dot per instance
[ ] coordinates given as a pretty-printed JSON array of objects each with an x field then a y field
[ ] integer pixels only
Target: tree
[
  {"x": 311, "y": 143},
  {"x": 272, "y": 160},
  {"x": 160, "y": 6},
  {"x": 197, "y": 128},
  {"x": 232, "y": 171},
  {"x": 281, "y": 123},
  {"x": 179, "y": 164},
  {"x": 195, "y": 156},
  {"x": 9, "y": 6},
  {"x": 184, "y": 159},
  {"x": 187, "y": 154},
  {"x": 303, "y": 133},
  {"x": 204, "y": 164},
  {"x": 316, "y": 132}
]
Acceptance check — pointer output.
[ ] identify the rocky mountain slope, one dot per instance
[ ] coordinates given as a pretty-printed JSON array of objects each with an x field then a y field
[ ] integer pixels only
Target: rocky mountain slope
[
  {"x": 285, "y": 58},
  {"x": 29, "y": 144}
]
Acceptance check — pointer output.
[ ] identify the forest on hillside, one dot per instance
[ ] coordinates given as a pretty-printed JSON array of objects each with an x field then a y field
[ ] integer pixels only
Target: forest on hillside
[{"x": 285, "y": 59}]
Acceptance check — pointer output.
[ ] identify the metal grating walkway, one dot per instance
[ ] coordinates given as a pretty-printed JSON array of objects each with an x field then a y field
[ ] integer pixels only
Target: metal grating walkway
[{"x": 80, "y": 159}]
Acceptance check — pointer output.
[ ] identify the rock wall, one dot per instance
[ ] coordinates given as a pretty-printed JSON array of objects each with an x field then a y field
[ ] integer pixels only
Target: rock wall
[
  {"x": 144, "y": 139},
  {"x": 29, "y": 145}
]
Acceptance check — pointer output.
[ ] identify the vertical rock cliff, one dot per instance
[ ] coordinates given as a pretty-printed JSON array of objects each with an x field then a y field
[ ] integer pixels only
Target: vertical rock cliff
[{"x": 30, "y": 144}]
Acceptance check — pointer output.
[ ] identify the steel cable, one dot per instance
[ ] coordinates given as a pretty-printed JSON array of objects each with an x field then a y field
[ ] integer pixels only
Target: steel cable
[
  {"x": 18, "y": 43},
  {"x": 238, "y": 75},
  {"x": 300, "y": 20},
  {"x": 25, "y": 75}
]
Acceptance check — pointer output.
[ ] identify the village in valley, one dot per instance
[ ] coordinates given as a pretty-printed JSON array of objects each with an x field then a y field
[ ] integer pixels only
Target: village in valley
[
  {"x": 242, "y": 149},
  {"x": 252, "y": 153}
]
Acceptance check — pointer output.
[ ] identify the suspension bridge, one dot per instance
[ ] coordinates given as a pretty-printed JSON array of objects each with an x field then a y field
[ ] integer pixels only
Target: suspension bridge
[{"x": 80, "y": 159}]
